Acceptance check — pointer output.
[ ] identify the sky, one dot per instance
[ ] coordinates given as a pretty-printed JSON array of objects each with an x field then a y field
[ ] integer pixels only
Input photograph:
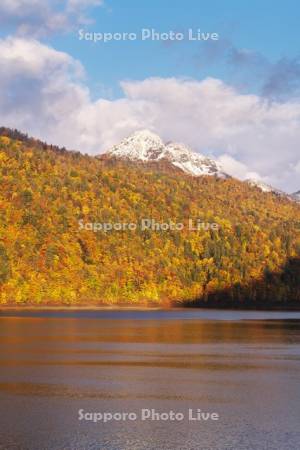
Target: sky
[{"x": 235, "y": 98}]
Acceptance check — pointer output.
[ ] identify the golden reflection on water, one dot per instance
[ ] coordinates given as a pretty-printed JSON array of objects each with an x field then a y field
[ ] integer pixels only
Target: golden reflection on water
[
  {"x": 24, "y": 329},
  {"x": 246, "y": 369},
  {"x": 190, "y": 344}
]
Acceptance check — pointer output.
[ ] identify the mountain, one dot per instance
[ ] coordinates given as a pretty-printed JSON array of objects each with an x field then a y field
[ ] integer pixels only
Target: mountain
[
  {"x": 264, "y": 187},
  {"x": 71, "y": 233},
  {"x": 146, "y": 146},
  {"x": 296, "y": 196}
]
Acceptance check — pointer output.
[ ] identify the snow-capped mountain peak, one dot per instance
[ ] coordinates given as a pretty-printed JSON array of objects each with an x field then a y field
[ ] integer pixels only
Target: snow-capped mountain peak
[
  {"x": 142, "y": 145},
  {"x": 146, "y": 146}
]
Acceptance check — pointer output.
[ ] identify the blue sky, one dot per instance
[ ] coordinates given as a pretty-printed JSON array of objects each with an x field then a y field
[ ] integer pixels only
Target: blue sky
[
  {"x": 270, "y": 28},
  {"x": 236, "y": 99}
]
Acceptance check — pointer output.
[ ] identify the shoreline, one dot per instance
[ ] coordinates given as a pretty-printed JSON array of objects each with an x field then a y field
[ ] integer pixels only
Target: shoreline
[{"x": 122, "y": 307}]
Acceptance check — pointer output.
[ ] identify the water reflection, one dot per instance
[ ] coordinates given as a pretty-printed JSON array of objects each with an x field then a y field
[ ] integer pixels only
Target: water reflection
[{"x": 244, "y": 365}]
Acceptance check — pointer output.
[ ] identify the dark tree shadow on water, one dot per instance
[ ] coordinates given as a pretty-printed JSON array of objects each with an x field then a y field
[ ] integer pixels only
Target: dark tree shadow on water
[{"x": 274, "y": 290}]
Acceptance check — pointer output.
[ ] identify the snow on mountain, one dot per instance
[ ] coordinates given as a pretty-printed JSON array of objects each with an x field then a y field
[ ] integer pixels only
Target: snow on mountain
[
  {"x": 267, "y": 188},
  {"x": 296, "y": 196},
  {"x": 264, "y": 187},
  {"x": 140, "y": 146},
  {"x": 148, "y": 147},
  {"x": 191, "y": 162}
]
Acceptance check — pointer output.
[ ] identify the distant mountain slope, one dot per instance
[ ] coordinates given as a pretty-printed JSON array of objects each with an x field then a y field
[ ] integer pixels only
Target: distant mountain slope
[
  {"x": 296, "y": 196},
  {"x": 54, "y": 250},
  {"x": 264, "y": 187},
  {"x": 146, "y": 146}
]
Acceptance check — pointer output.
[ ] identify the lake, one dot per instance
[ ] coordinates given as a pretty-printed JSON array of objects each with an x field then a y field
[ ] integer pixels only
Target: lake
[{"x": 243, "y": 366}]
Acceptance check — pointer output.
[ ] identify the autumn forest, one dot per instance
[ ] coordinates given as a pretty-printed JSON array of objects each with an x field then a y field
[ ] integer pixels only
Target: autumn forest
[{"x": 46, "y": 258}]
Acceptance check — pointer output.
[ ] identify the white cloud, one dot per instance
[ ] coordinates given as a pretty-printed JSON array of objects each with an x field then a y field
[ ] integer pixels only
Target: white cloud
[
  {"x": 43, "y": 93},
  {"x": 41, "y": 17},
  {"x": 297, "y": 167},
  {"x": 29, "y": 58},
  {"x": 236, "y": 168}
]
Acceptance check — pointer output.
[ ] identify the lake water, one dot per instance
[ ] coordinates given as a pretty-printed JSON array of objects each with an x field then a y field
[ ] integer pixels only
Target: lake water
[{"x": 243, "y": 366}]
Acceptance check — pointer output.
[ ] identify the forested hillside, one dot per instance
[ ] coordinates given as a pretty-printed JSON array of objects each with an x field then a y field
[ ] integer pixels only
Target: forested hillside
[{"x": 47, "y": 257}]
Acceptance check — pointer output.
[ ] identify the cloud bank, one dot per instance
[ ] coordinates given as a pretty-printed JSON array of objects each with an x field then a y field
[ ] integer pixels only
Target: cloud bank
[{"x": 43, "y": 92}]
